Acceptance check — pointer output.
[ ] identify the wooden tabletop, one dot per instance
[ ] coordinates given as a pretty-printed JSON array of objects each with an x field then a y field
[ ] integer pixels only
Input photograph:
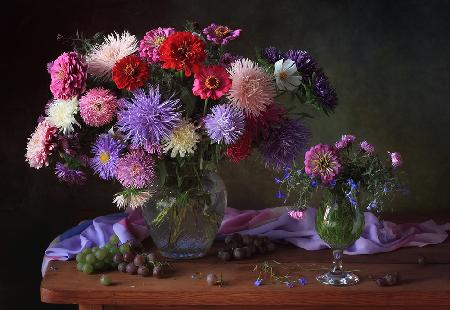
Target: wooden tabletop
[{"x": 420, "y": 286}]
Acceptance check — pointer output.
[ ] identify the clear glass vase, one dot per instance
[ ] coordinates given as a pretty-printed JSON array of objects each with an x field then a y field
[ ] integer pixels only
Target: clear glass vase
[
  {"x": 184, "y": 223},
  {"x": 339, "y": 222}
]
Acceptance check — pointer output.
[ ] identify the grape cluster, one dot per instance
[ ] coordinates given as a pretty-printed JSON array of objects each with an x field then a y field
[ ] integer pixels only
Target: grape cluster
[
  {"x": 240, "y": 247},
  {"x": 143, "y": 264},
  {"x": 98, "y": 259}
]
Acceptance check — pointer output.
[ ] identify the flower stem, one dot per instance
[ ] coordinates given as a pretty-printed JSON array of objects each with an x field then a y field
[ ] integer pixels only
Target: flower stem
[{"x": 205, "y": 107}]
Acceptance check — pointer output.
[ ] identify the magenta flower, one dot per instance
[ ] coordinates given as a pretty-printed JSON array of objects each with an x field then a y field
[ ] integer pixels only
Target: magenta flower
[
  {"x": 321, "y": 161},
  {"x": 295, "y": 214},
  {"x": 136, "y": 169},
  {"x": 367, "y": 147},
  {"x": 346, "y": 140},
  {"x": 396, "y": 159},
  {"x": 98, "y": 107},
  {"x": 220, "y": 35},
  {"x": 68, "y": 74},
  {"x": 69, "y": 175},
  {"x": 149, "y": 45}
]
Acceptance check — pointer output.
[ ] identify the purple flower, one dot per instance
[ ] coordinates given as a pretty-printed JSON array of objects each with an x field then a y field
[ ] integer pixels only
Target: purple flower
[
  {"x": 227, "y": 59},
  {"x": 225, "y": 124},
  {"x": 107, "y": 152},
  {"x": 258, "y": 282},
  {"x": 147, "y": 118},
  {"x": 346, "y": 140},
  {"x": 271, "y": 54},
  {"x": 290, "y": 284},
  {"x": 303, "y": 281},
  {"x": 68, "y": 175},
  {"x": 306, "y": 65},
  {"x": 322, "y": 161},
  {"x": 352, "y": 184},
  {"x": 220, "y": 35},
  {"x": 324, "y": 92},
  {"x": 149, "y": 45},
  {"x": 136, "y": 169},
  {"x": 396, "y": 159},
  {"x": 367, "y": 147},
  {"x": 285, "y": 143},
  {"x": 280, "y": 195}
]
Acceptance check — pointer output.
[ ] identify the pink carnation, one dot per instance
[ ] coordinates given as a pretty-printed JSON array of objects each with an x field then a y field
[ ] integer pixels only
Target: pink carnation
[
  {"x": 68, "y": 74},
  {"x": 40, "y": 145},
  {"x": 98, "y": 107},
  {"x": 396, "y": 159},
  {"x": 321, "y": 161},
  {"x": 149, "y": 45}
]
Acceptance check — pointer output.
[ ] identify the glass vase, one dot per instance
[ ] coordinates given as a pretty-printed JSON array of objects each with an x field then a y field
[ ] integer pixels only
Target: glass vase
[
  {"x": 184, "y": 223},
  {"x": 339, "y": 222}
]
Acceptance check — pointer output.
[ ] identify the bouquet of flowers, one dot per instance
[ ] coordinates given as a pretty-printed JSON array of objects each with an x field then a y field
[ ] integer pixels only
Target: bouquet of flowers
[{"x": 171, "y": 106}]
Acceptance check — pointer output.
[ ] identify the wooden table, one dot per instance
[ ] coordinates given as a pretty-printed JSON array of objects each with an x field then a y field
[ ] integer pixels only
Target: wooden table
[{"x": 422, "y": 287}]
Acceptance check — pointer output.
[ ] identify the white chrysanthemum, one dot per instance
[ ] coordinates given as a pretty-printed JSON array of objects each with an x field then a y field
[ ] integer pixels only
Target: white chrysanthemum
[
  {"x": 103, "y": 57},
  {"x": 61, "y": 114},
  {"x": 286, "y": 75},
  {"x": 182, "y": 140},
  {"x": 132, "y": 198}
]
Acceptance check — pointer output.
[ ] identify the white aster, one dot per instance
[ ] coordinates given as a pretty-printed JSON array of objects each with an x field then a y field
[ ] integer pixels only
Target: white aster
[
  {"x": 61, "y": 114},
  {"x": 183, "y": 140},
  {"x": 132, "y": 198},
  {"x": 103, "y": 57},
  {"x": 286, "y": 75}
]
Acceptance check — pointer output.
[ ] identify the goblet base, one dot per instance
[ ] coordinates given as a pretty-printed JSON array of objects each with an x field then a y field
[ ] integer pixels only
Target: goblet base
[{"x": 343, "y": 278}]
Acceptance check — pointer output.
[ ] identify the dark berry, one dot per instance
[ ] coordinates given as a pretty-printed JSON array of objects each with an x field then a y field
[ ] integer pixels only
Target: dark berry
[
  {"x": 228, "y": 239},
  {"x": 131, "y": 268},
  {"x": 239, "y": 253},
  {"x": 122, "y": 267},
  {"x": 211, "y": 279},
  {"x": 224, "y": 255},
  {"x": 139, "y": 260},
  {"x": 143, "y": 271},
  {"x": 270, "y": 247},
  {"x": 158, "y": 272},
  {"x": 128, "y": 257},
  {"x": 118, "y": 258}
]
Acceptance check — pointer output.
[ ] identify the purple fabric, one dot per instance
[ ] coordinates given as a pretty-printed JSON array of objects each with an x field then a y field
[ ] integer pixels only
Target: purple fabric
[{"x": 378, "y": 236}]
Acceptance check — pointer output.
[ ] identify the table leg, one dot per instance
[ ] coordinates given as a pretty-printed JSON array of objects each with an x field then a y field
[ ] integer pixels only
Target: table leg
[{"x": 90, "y": 307}]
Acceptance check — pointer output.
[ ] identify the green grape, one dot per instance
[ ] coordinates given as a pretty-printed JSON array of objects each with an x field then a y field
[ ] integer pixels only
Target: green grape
[
  {"x": 107, "y": 246},
  {"x": 124, "y": 248},
  {"x": 114, "y": 250},
  {"x": 114, "y": 239},
  {"x": 80, "y": 266},
  {"x": 99, "y": 265},
  {"x": 100, "y": 254},
  {"x": 108, "y": 260},
  {"x": 94, "y": 249},
  {"x": 88, "y": 269},
  {"x": 105, "y": 280},
  {"x": 81, "y": 258},
  {"x": 86, "y": 251},
  {"x": 90, "y": 258}
]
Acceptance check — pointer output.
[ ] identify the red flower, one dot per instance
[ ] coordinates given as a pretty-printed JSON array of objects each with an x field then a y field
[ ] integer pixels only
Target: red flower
[
  {"x": 211, "y": 82},
  {"x": 182, "y": 51},
  {"x": 130, "y": 72},
  {"x": 241, "y": 149},
  {"x": 259, "y": 125}
]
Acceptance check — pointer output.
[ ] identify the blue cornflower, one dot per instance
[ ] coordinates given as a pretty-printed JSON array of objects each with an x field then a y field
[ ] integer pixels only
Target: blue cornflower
[
  {"x": 258, "y": 282},
  {"x": 313, "y": 183},
  {"x": 372, "y": 205},
  {"x": 352, "y": 184},
  {"x": 332, "y": 183},
  {"x": 277, "y": 180},
  {"x": 303, "y": 281},
  {"x": 290, "y": 284},
  {"x": 280, "y": 195}
]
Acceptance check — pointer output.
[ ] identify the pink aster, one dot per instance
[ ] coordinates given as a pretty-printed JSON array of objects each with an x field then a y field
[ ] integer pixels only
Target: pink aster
[
  {"x": 367, "y": 147},
  {"x": 68, "y": 74},
  {"x": 220, "y": 35},
  {"x": 98, "y": 107},
  {"x": 40, "y": 145},
  {"x": 136, "y": 169},
  {"x": 211, "y": 82},
  {"x": 396, "y": 159},
  {"x": 252, "y": 89},
  {"x": 322, "y": 161},
  {"x": 295, "y": 214},
  {"x": 149, "y": 45},
  {"x": 345, "y": 141}
]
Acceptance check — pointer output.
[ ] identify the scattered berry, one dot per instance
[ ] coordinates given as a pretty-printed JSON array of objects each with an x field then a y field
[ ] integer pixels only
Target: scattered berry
[
  {"x": 143, "y": 271},
  {"x": 105, "y": 280},
  {"x": 211, "y": 279}
]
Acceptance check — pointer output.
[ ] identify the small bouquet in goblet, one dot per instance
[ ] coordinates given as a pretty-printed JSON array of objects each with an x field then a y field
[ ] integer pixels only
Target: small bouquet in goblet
[{"x": 347, "y": 179}]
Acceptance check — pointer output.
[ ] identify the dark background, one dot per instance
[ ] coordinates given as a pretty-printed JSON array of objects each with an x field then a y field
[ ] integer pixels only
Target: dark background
[{"x": 388, "y": 60}]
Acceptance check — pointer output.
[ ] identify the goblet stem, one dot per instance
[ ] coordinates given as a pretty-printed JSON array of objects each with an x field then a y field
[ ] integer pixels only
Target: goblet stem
[{"x": 337, "y": 262}]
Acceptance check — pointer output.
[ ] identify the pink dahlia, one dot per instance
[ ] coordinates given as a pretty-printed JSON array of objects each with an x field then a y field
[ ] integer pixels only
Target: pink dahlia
[
  {"x": 211, "y": 82},
  {"x": 98, "y": 107},
  {"x": 136, "y": 169},
  {"x": 396, "y": 159},
  {"x": 252, "y": 89},
  {"x": 321, "y": 161},
  {"x": 68, "y": 74},
  {"x": 40, "y": 145},
  {"x": 149, "y": 45}
]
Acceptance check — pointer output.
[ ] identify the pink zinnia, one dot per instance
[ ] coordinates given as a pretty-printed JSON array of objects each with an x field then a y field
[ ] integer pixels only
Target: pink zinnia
[
  {"x": 321, "y": 161},
  {"x": 98, "y": 107},
  {"x": 297, "y": 215},
  {"x": 136, "y": 169},
  {"x": 211, "y": 82},
  {"x": 149, "y": 45},
  {"x": 367, "y": 147},
  {"x": 396, "y": 159},
  {"x": 68, "y": 74},
  {"x": 40, "y": 145},
  {"x": 252, "y": 89}
]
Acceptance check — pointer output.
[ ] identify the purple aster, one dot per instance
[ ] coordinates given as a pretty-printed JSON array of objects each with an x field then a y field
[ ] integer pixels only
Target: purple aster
[
  {"x": 220, "y": 35},
  {"x": 367, "y": 147},
  {"x": 285, "y": 143},
  {"x": 396, "y": 159},
  {"x": 324, "y": 92},
  {"x": 136, "y": 169},
  {"x": 107, "y": 151},
  {"x": 149, "y": 45},
  {"x": 225, "y": 124},
  {"x": 227, "y": 59},
  {"x": 147, "y": 118},
  {"x": 345, "y": 141},
  {"x": 306, "y": 65},
  {"x": 271, "y": 54},
  {"x": 68, "y": 175}
]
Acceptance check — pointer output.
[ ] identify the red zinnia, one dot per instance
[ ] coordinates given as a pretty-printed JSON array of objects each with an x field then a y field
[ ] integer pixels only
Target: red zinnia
[
  {"x": 182, "y": 51},
  {"x": 130, "y": 72},
  {"x": 211, "y": 82},
  {"x": 241, "y": 149}
]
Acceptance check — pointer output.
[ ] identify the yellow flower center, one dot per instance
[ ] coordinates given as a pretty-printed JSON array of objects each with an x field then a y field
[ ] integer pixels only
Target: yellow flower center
[
  {"x": 136, "y": 169},
  {"x": 212, "y": 82},
  {"x": 129, "y": 70},
  {"x": 104, "y": 157},
  {"x": 283, "y": 75},
  {"x": 222, "y": 31},
  {"x": 98, "y": 105},
  {"x": 323, "y": 164},
  {"x": 159, "y": 40}
]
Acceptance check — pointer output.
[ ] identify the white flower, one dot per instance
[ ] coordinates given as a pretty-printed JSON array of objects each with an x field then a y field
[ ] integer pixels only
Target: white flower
[
  {"x": 286, "y": 75},
  {"x": 182, "y": 140},
  {"x": 61, "y": 114},
  {"x": 132, "y": 198},
  {"x": 103, "y": 57}
]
